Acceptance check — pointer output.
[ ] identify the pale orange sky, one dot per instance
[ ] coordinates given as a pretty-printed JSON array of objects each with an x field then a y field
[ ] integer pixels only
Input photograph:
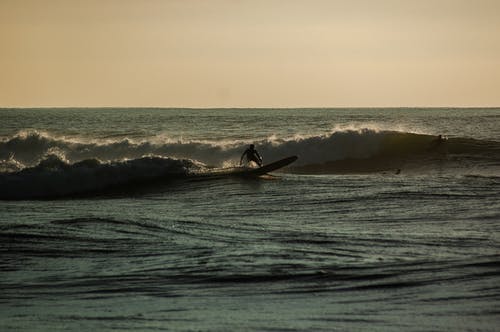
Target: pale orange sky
[{"x": 230, "y": 53}]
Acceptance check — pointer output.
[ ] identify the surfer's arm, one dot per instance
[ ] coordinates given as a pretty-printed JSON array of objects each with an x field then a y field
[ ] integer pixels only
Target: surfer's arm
[
  {"x": 258, "y": 156},
  {"x": 242, "y": 156}
]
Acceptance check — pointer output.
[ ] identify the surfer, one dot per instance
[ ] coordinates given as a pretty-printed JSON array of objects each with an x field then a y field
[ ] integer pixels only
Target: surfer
[
  {"x": 252, "y": 155},
  {"x": 437, "y": 142}
]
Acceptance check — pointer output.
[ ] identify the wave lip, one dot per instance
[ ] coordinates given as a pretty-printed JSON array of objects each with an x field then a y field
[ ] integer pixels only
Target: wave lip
[{"x": 54, "y": 177}]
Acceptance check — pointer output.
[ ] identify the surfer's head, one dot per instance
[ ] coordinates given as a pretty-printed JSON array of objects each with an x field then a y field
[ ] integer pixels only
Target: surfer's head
[{"x": 252, "y": 146}]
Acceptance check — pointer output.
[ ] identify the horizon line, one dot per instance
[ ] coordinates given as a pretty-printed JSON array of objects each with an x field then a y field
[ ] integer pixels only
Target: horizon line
[{"x": 243, "y": 108}]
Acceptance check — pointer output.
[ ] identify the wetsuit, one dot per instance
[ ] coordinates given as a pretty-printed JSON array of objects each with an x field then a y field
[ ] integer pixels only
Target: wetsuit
[{"x": 252, "y": 155}]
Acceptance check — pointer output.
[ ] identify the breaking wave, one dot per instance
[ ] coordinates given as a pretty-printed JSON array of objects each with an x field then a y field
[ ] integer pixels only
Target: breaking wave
[
  {"x": 28, "y": 148},
  {"x": 38, "y": 164}
]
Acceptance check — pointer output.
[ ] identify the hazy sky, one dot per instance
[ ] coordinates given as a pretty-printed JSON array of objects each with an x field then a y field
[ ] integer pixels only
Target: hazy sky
[{"x": 232, "y": 53}]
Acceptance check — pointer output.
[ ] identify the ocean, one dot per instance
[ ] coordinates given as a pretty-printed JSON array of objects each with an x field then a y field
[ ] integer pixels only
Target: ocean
[{"x": 133, "y": 219}]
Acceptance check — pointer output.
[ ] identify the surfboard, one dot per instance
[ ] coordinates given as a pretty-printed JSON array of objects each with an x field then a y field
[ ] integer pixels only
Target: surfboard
[{"x": 268, "y": 168}]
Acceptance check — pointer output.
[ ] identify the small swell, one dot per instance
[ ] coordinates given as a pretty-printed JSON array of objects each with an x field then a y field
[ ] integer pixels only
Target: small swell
[{"x": 54, "y": 177}]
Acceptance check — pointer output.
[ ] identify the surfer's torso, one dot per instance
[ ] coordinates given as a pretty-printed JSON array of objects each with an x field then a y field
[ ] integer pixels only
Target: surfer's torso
[{"x": 253, "y": 155}]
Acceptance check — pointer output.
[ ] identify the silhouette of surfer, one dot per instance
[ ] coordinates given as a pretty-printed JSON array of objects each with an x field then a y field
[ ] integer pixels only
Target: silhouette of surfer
[
  {"x": 437, "y": 142},
  {"x": 252, "y": 155},
  {"x": 439, "y": 139}
]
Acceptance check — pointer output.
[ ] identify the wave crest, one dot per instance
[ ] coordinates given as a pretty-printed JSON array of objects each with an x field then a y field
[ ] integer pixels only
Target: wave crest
[{"x": 30, "y": 147}]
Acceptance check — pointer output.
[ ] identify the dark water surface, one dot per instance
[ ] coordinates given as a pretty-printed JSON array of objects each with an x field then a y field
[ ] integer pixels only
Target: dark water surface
[{"x": 409, "y": 244}]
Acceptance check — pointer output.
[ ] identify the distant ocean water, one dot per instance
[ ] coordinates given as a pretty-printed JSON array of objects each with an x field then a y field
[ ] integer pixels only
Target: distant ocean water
[{"x": 114, "y": 219}]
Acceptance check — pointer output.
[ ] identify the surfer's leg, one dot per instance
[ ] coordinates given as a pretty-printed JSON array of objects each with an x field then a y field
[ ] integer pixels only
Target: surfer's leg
[{"x": 257, "y": 161}]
